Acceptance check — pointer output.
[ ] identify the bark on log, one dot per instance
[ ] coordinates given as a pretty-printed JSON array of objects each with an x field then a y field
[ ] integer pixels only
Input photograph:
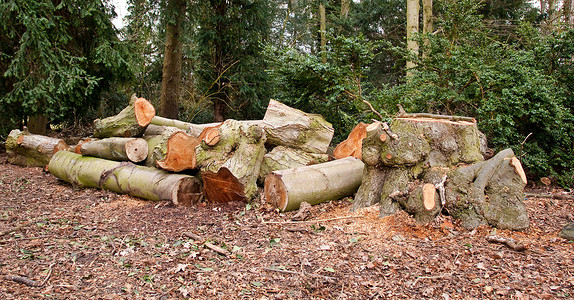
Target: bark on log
[
  {"x": 174, "y": 150},
  {"x": 26, "y": 149},
  {"x": 116, "y": 148},
  {"x": 489, "y": 192},
  {"x": 286, "y": 126},
  {"x": 240, "y": 151},
  {"x": 130, "y": 122},
  {"x": 125, "y": 177},
  {"x": 190, "y": 128},
  {"x": 353, "y": 145},
  {"x": 281, "y": 158},
  {"x": 287, "y": 189}
]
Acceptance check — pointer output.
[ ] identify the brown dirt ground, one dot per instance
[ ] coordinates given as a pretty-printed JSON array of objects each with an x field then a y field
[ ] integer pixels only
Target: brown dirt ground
[{"x": 92, "y": 244}]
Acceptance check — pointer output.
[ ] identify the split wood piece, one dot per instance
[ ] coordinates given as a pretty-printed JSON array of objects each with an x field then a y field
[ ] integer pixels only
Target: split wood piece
[
  {"x": 240, "y": 151},
  {"x": 281, "y": 158},
  {"x": 489, "y": 192},
  {"x": 353, "y": 145},
  {"x": 511, "y": 243},
  {"x": 116, "y": 148},
  {"x": 287, "y": 126},
  {"x": 130, "y": 122},
  {"x": 287, "y": 189},
  {"x": 222, "y": 186},
  {"x": 26, "y": 149},
  {"x": 174, "y": 150},
  {"x": 125, "y": 177}
]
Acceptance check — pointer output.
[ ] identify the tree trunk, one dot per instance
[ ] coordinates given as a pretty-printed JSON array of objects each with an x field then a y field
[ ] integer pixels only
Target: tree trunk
[
  {"x": 412, "y": 29},
  {"x": 345, "y": 6},
  {"x": 286, "y": 126},
  {"x": 240, "y": 150},
  {"x": 124, "y": 177},
  {"x": 37, "y": 124},
  {"x": 171, "y": 75},
  {"x": 130, "y": 122},
  {"x": 568, "y": 16},
  {"x": 219, "y": 96},
  {"x": 27, "y": 149},
  {"x": 323, "y": 30},
  {"x": 116, "y": 148},
  {"x": 353, "y": 145},
  {"x": 286, "y": 189},
  {"x": 281, "y": 158},
  {"x": 427, "y": 21}
]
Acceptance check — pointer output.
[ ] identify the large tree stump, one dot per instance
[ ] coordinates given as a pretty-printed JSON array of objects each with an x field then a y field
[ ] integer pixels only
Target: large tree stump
[
  {"x": 281, "y": 158},
  {"x": 130, "y": 122},
  {"x": 489, "y": 192},
  {"x": 26, "y": 149},
  {"x": 287, "y": 189},
  {"x": 239, "y": 149},
  {"x": 116, "y": 148},
  {"x": 286, "y": 126},
  {"x": 125, "y": 177}
]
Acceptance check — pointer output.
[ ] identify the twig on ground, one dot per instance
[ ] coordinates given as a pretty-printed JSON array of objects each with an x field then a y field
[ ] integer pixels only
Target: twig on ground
[
  {"x": 216, "y": 248},
  {"x": 511, "y": 243},
  {"x": 298, "y": 273},
  {"x": 17, "y": 228}
]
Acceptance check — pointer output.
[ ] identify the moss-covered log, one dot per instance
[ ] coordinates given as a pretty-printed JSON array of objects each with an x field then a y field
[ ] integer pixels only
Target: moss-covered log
[
  {"x": 116, "y": 148},
  {"x": 130, "y": 122},
  {"x": 287, "y": 189},
  {"x": 26, "y": 149},
  {"x": 240, "y": 150},
  {"x": 125, "y": 177},
  {"x": 489, "y": 192},
  {"x": 190, "y": 128},
  {"x": 286, "y": 126},
  {"x": 281, "y": 158}
]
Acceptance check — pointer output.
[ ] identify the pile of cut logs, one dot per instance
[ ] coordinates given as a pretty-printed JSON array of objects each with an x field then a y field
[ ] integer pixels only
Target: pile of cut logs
[{"x": 420, "y": 163}]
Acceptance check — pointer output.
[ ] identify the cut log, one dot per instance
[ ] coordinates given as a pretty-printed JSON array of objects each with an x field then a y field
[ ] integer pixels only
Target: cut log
[
  {"x": 240, "y": 150},
  {"x": 286, "y": 126},
  {"x": 287, "y": 189},
  {"x": 130, "y": 122},
  {"x": 174, "y": 150},
  {"x": 116, "y": 148},
  {"x": 222, "y": 186},
  {"x": 190, "y": 128},
  {"x": 281, "y": 158},
  {"x": 26, "y": 149},
  {"x": 125, "y": 177},
  {"x": 353, "y": 145}
]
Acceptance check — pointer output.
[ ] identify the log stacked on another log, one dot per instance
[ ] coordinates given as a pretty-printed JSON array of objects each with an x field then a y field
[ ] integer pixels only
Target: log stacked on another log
[
  {"x": 116, "y": 148},
  {"x": 26, "y": 149},
  {"x": 130, "y": 122}
]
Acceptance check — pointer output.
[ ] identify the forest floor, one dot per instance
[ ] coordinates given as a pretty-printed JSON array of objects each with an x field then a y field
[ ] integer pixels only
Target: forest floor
[{"x": 93, "y": 244}]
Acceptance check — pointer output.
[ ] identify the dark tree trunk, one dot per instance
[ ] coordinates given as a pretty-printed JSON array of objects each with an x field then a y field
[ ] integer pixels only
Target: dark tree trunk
[
  {"x": 220, "y": 8},
  {"x": 172, "y": 60},
  {"x": 37, "y": 124}
]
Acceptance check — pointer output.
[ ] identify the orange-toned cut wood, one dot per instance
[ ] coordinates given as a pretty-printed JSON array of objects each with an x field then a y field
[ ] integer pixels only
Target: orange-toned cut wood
[
  {"x": 353, "y": 145},
  {"x": 210, "y": 135},
  {"x": 180, "y": 153},
  {"x": 515, "y": 162},
  {"x": 222, "y": 186},
  {"x": 383, "y": 137},
  {"x": 429, "y": 193},
  {"x": 144, "y": 111}
]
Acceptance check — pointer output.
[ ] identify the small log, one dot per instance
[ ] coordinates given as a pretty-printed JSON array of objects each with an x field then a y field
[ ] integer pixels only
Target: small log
[
  {"x": 240, "y": 150},
  {"x": 281, "y": 158},
  {"x": 130, "y": 122},
  {"x": 286, "y": 126},
  {"x": 287, "y": 189},
  {"x": 116, "y": 148},
  {"x": 125, "y": 177},
  {"x": 190, "y": 128},
  {"x": 26, "y": 149},
  {"x": 353, "y": 145}
]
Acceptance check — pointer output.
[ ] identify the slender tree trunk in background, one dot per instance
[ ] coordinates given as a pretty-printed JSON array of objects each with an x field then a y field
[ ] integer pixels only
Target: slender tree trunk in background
[
  {"x": 37, "y": 124},
  {"x": 219, "y": 98},
  {"x": 169, "y": 99},
  {"x": 542, "y": 6},
  {"x": 345, "y": 6},
  {"x": 427, "y": 20},
  {"x": 568, "y": 12},
  {"x": 413, "y": 9},
  {"x": 323, "y": 28}
]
